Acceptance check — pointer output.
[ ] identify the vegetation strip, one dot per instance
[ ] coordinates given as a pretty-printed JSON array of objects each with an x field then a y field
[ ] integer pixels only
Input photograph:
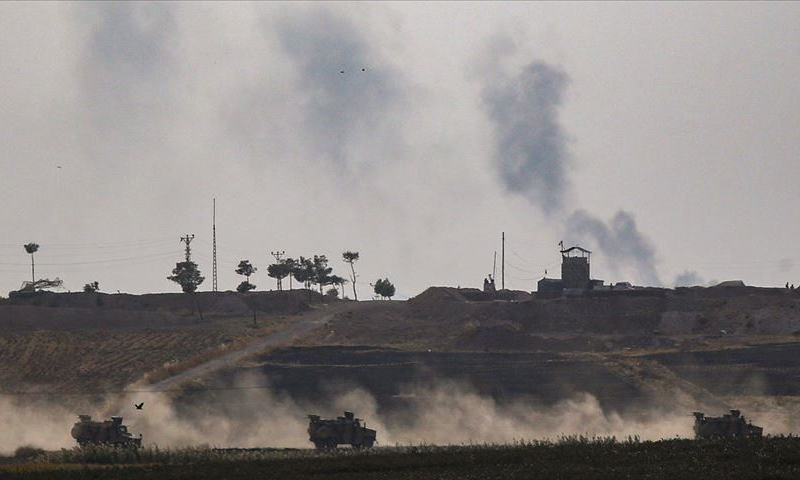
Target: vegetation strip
[{"x": 569, "y": 457}]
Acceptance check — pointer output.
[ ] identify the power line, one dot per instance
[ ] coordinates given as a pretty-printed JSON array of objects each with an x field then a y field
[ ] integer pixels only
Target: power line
[
  {"x": 523, "y": 270},
  {"x": 93, "y": 262},
  {"x": 92, "y": 252},
  {"x": 98, "y": 244}
]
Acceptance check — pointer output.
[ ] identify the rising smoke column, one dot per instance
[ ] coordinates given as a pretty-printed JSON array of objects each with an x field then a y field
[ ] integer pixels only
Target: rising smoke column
[
  {"x": 530, "y": 144},
  {"x": 620, "y": 241},
  {"x": 346, "y": 90},
  {"x": 532, "y": 157}
]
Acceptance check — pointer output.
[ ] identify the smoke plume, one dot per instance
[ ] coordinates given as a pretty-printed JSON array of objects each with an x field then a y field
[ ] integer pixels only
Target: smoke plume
[
  {"x": 620, "y": 241},
  {"x": 688, "y": 278},
  {"x": 346, "y": 90},
  {"x": 533, "y": 160},
  {"x": 530, "y": 144}
]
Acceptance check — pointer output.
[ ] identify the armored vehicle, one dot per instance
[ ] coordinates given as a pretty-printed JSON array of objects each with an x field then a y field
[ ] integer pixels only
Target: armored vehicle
[
  {"x": 327, "y": 434},
  {"x": 108, "y": 432},
  {"x": 732, "y": 425}
]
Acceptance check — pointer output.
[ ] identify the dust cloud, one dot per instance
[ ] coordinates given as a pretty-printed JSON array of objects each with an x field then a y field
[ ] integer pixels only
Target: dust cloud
[
  {"x": 441, "y": 413},
  {"x": 27, "y": 422},
  {"x": 241, "y": 416}
]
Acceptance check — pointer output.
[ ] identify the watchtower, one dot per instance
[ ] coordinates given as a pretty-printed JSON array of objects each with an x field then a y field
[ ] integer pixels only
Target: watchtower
[{"x": 575, "y": 267}]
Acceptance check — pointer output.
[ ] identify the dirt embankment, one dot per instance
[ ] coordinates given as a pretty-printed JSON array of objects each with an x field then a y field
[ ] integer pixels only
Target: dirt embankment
[
  {"x": 446, "y": 318},
  {"x": 66, "y": 311}
]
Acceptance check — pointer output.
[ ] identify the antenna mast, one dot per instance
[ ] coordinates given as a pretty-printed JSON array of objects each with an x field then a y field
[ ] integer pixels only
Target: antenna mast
[
  {"x": 503, "y": 264},
  {"x": 278, "y": 256},
  {"x": 214, "y": 254},
  {"x": 187, "y": 240}
]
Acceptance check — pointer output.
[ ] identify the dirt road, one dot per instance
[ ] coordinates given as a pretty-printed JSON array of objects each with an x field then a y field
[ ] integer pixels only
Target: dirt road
[{"x": 291, "y": 332}]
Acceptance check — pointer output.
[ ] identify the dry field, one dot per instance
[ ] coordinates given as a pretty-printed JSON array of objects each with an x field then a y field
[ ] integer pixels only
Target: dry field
[{"x": 89, "y": 343}]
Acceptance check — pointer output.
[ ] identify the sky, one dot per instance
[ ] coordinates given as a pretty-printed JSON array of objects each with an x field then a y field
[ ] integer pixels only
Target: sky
[{"x": 661, "y": 136}]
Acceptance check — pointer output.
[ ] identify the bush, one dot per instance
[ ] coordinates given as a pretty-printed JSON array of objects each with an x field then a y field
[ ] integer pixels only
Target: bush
[{"x": 28, "y": 451}]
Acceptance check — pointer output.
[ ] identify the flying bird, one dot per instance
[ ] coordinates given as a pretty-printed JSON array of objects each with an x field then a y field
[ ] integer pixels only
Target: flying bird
[
  {"x": 342, "y": 71},
  {"x": 58, "y": 166},
  {"x": 138, "y": 405}
]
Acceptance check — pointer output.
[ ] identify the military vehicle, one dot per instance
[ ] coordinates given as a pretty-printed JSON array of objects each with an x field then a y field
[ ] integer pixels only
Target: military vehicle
[
  {"x": 108, "y": 432},
  {"x": 347, "y": 430},
  {"x": 732, "y": 425}
]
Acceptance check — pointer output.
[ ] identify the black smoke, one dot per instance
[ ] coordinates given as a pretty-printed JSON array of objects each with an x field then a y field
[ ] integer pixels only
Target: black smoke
[
  {"x": 346, "y": 91},
  {"x": 620, "y": 241},
  {"x": 532, "y": 158},
  {"x": 530, "y": 143}
]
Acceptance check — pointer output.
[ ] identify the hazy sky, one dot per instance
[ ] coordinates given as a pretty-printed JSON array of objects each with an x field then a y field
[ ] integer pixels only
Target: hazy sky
[{"x": 664, "y": 137}]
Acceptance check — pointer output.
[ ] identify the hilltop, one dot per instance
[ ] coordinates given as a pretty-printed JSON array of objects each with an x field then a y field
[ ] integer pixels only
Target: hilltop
[
  {"x": 96, "y": 340},
  {"x": 649, "y": 355}
]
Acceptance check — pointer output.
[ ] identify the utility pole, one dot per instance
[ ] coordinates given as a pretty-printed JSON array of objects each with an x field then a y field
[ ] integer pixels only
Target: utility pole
[
  {"x": 278, "y": 255},
  {"x": 214, "y": 254},
  {"x": 494, "y": 266},
  {"x": 503, "y": 264},
  {"x": 187, "y": 240}
]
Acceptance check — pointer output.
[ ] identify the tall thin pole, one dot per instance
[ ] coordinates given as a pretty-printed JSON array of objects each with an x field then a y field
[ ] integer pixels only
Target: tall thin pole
[
  {"x": 187, "y": 240},
  {"x": 214, "y": 254},
  {"x": 494, "y": 265},
  {"x": 278, "y": 256},
  {"x": 503, "y": 264}
]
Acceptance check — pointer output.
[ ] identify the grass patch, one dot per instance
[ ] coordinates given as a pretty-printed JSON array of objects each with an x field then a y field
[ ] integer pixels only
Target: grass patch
[{"x": 567, "y": 458}]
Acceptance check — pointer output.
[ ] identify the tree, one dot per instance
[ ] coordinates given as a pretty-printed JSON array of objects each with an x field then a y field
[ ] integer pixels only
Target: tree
[
  {"x": 303, "y": 271},
  {"x": 91, "y": 287},
  {"x": 187, "y": 275},
  {"x": 351, "y": 258},
  {"x": 290, "y": 265},
  {"x": 279, "y": 271},
  {"x": 384, "y": 288},
  {"x": 246, "y": 268},
  {"x": 32, "y": 248},
  {"x": 338, "y": 282},
  {"x": 322, "y": 272}
]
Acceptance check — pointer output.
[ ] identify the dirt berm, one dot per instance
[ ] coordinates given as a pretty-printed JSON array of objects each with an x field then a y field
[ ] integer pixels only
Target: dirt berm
[
  {"x": 55, "y": 311},
  {"x": 444, "y": 317}
]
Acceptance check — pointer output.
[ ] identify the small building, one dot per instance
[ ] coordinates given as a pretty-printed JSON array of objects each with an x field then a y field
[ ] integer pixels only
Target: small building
[
  {"x": 575, "y": 267},
  {"x": 575, "y": 275},
  {"x": 550, "y": 285}
]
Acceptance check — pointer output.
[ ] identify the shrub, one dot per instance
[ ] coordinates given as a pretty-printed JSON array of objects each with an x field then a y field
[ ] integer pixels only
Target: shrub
[{"x": 28, "y": 451}]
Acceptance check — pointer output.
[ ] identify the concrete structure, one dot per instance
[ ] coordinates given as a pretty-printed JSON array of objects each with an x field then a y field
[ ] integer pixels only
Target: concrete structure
[
  {"x": 575, "y": 267},
  {"x": 575, "y": 274},
  {"x": 550, "y": 285}
]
